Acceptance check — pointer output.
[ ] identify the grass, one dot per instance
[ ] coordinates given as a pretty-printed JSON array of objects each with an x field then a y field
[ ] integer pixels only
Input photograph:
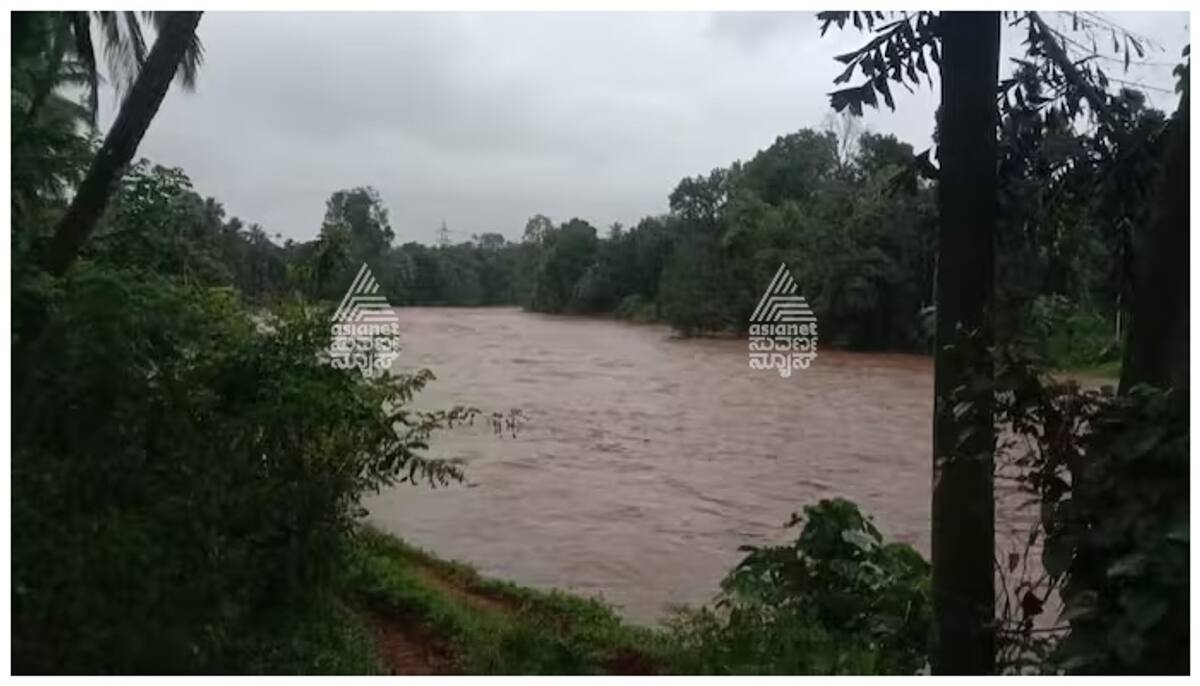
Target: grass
[
  {"x": 329, "y": 637},
  {"x": 442, "y": 616}
]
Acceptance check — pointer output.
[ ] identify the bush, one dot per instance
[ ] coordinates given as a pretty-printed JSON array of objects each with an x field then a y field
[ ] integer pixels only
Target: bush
[
  {"x": 184, "y": 472},
  {"x": 1108, "y": 474},
  {"x": 636, "y": 308},
  {"x": 1068, "y": 336},
  {"x": 594, "y": 292},
  {"x": 836, "y": 601}
]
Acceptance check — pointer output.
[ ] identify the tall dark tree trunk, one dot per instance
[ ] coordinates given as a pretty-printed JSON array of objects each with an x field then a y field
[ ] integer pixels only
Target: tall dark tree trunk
[
  {"x": 963, "y": 434},
  {"x": 121, "y": 143},
  {"x": 1157, "y": 348}
]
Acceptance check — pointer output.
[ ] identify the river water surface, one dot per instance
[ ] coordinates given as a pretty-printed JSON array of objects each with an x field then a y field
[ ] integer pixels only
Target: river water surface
[{"x": 645, "y": 460}]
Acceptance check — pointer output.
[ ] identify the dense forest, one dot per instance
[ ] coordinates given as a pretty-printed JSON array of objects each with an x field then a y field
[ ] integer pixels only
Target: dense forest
[{"x": 187, "y": 472}]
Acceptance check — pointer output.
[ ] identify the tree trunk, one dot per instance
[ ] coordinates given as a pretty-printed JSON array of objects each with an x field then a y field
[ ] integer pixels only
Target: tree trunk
[
  {"x": 1157, "y": 350},
  {"x": 963, "y": 434},
  {"x": 122, "y": 141}
]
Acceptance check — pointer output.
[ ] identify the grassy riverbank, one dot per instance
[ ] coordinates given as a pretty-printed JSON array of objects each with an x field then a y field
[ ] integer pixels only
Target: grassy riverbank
[
  {"x": 405, "y": 611},
  {"x": 839, "y": 600}
]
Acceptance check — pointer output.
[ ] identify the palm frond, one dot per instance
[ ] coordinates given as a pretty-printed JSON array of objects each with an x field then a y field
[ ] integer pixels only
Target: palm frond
[
  {"x": 85, "y": 52},
  {"x": 133, "y": 28},
  {"x": 193, "y": 58},
  {"x": 124, "y": 46}
]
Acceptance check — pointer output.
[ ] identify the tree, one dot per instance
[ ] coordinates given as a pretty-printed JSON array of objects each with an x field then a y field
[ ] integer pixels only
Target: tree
[
  {"x": 361, "y": 212},
  {"x": 701, "y": 200},
  {"x": 570, "y": 250},
  {"x": 794, "y": 167},
  {"x": 49, "y": 157},
  {"x": 963, "y": 434},
  {"x": 125, "y": 48},
  {"x": 962, "y": 507},
  {"x": 1157, "y": 352},
  {"x": 176, "y": 37},
  {"x": 963, "y": 519},
  {"x": 70, "y": 53},
  {"x": 538, "y": 229}
]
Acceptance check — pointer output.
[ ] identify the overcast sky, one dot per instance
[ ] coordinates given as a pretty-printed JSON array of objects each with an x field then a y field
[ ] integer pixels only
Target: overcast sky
[{"x": 486, "y": 119}]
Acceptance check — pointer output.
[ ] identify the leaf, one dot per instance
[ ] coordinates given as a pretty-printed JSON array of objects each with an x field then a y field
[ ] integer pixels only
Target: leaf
[
  {"x": 1031, "y": 605},
  {"x": 847, "y": 58},
  {"x": 881, "y": 84},
  {"x": 845, "y": 75},
  {"x": 859, "y": 539},
  {"x": 1057, "y": 555}
]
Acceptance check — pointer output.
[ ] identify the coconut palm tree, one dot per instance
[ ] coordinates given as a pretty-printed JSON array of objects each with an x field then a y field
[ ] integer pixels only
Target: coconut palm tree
[
  {"x": 64, "y": 40},
  {"x": 176, "y": 52}
]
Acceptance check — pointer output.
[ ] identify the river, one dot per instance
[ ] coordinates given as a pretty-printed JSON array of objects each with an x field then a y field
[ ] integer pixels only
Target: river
[{"x": 644, "y": 460}]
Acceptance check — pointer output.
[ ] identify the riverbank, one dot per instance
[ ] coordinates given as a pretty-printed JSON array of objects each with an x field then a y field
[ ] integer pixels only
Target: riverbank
[
  {"x": 1097, "y": 373},
  {"x": 427, "y": 615},
  {"x": 839, "y": 600},
  {"x": 404, "y": 611}
]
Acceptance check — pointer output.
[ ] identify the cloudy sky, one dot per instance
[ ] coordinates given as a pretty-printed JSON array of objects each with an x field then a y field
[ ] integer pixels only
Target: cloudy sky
[{"x": 485, "y": 119}]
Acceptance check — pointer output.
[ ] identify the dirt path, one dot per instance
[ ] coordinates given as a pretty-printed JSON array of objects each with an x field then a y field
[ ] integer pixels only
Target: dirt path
[
  {"x": 460, "y": 592},
  {"x": 406, "y": 648}
]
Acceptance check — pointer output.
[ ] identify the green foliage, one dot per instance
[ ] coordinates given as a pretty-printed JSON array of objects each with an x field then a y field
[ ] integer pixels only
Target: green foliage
[
  {"x": 836, "y": 601},
  {"x": 1120, "y": 540},
  {"x": 323, "y": 636},
  {"x": 49, "y": 156},
  {"x": 1067, "y": 336},
  {"x": 896, "y": 53},
  {"x": 691, "y": 294},
  {"x": 636, "y": 308},
  {"x": 863, "y": 255},
  {"x": 495, "y": 627},
  {"x": 1109, "y": 475},
  {"x": 1124, "y": 533},
  {"x": 568, "y": 253},
  {"x": 355, "y": 231},
  {"x": 183, "y": 469},
  {"x": 158, "y": 224}
]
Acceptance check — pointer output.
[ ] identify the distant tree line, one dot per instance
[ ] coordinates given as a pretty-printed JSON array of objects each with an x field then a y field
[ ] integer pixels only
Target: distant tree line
[{"x": 849, "y": 214}]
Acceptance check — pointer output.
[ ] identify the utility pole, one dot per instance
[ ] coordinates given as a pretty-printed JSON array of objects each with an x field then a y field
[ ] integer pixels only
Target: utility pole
[{"x": 443, "y": 233}]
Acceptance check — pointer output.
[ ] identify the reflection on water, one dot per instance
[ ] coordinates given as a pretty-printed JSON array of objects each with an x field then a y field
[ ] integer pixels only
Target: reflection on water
[{"x": 645, "y": 460}]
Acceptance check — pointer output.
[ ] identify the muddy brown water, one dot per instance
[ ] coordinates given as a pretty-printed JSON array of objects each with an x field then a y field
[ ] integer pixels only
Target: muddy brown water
[{"x": 644, "y": 461}]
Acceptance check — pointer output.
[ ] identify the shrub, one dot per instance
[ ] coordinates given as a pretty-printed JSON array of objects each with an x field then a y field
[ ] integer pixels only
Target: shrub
[
  {"x": 1109, "y": 476},
  {"x": 636, "y": 308},
  {"x": 836, "y": 601},
  {"x": 184, "y": 472},
  {"x": 1069, "y": 336}
]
